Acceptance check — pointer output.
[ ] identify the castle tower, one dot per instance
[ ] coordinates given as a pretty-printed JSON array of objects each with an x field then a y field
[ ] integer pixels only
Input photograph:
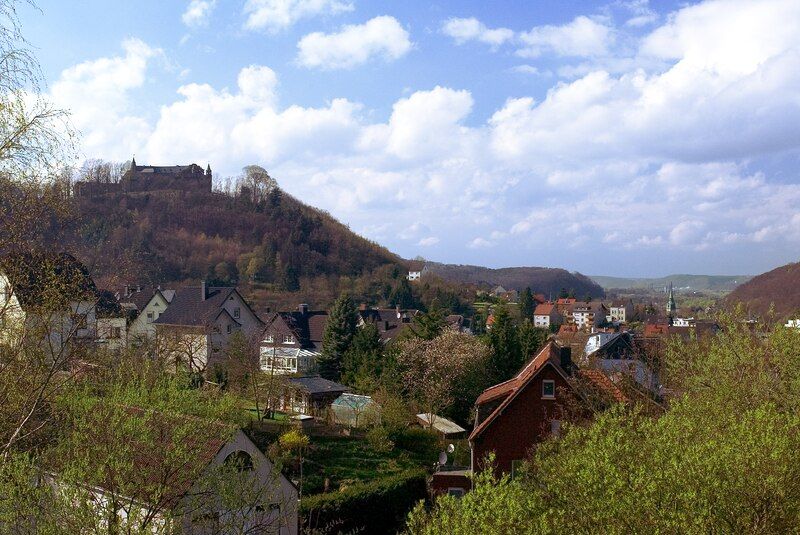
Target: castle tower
[{"x": 671, "y": 306}]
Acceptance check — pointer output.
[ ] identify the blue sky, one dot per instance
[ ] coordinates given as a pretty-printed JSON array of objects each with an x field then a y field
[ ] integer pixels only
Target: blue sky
[{"x": 627, "y": 138}]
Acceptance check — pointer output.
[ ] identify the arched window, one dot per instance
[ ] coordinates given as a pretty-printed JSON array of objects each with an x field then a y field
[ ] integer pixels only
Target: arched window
[{"x": 241, "y": 460}]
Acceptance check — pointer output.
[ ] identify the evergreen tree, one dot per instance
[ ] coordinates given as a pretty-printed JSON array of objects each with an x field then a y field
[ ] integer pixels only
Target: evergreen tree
[
  {"x": 563, "y": 294},
  {"x": 431, "y": 324},
  {"x": 402, "y": 295},
  {"x": 363, "y": 361},
  {"x": 526, "y": 304},
  {"x": 506, "y": 354},
  {"x": 531, "y": 339},
  {"x": 337, "y": 338}
]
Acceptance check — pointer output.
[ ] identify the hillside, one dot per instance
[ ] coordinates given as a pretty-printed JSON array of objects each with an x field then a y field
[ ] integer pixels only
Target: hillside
[
  {"x": 549, "y": 281},
  {"x": 718, "y": 283},
  {"x": 174, "y": 236},
  {"x": 779, "y": 287}
]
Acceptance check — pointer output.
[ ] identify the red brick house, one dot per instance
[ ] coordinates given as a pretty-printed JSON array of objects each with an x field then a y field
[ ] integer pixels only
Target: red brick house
[{"x": 513, "y": 416}]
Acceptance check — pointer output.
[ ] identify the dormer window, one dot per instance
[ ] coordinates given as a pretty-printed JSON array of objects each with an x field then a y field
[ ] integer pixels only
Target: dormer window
[
  {"x": 236, "y": 313},
  {"x": 269, "y": 339},
  {"x": 548, "y": 389},
  {"x": 288, "y": 339}
]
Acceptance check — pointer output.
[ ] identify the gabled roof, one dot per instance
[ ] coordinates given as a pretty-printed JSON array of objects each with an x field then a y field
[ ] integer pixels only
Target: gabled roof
[
  {"x": 307, "y": 327},
  {"x": 189, "y": 309},
  {"x": 605, "y": 386},
  {"x": 509, "y": 390},
  {"x": 544, "y": 309},
  {"x": 389, "y": 321}
]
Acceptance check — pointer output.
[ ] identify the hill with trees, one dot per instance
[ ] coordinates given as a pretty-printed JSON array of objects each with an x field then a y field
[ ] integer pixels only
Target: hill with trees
[
  {"x": 779, "y": 288},
  {"x": 717, "y": 283},
  {"x": 549, "y": 281}
]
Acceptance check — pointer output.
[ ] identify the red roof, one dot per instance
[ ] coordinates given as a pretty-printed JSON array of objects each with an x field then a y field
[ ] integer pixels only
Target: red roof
[
  {"x": 604, "y": 384},
  {"x": 544, "y": 310},
  {"x": 511, "y": 388},
  {"x": 566, "y": 301},
  {"x": 656, "y": 329}
]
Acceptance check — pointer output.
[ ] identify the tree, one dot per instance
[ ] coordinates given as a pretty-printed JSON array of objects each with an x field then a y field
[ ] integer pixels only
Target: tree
[
  {"x": 256, "y": 182},
  {"x": 402, "y": 296},
  {"x": 430, "y": 324},
  {"x": 526, "y": 304},
  {"x": 433, "y": 369},
  {"x": 336, "y": 339},
  {"x": 506, "y": 354},
  {"x": 363, "y": 361},
  {"x": 531, "y": 339}
]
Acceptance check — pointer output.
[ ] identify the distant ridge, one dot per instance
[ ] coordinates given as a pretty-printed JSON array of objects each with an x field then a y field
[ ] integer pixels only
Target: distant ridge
[
  {"x": 548, "y": 281},
  {"x": 720, "y": 283},
  {"x": 779, "y": 288}
]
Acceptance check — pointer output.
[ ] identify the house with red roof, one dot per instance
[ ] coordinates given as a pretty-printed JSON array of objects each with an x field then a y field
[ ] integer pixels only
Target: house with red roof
[
  {"x": 513, "y": 417},
  {"x": 545, "y": 315}
]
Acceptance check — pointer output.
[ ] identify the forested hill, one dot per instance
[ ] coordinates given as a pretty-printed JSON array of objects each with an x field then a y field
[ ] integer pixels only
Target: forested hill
[
  {"x": 175, "y": 236},
  {"x": 549, "y": 281},
  {"x": 779, "y": 288}
]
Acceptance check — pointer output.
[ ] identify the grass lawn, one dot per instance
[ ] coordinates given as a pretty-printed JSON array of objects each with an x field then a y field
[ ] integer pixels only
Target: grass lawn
[{"x": 346, "y": 460}]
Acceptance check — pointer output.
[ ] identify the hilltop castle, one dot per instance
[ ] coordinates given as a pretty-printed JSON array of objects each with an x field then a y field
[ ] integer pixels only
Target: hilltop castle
[{"x": 151, "y": 178}]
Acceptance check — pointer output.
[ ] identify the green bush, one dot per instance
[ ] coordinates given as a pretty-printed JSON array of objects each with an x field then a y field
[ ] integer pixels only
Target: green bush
[
  {"x": 423, "y": 443},
  {"x": 377, "y": 507}
]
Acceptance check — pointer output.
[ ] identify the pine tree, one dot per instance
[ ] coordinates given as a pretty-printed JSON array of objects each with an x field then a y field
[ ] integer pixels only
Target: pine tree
[
  {"x": 506, "y": 354},
  {"x": 531, "y": 339},
  {"x": 526, "y": 304},
  {"x": 363, "y": 360},
  {"x": 402, "y": 295},
  {"x": 337, "y": 338},
  {"x": 429, "y": 325}
]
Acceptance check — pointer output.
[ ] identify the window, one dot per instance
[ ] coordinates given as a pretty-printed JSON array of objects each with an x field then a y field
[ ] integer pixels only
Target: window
[
  {"x": 237, "y": 312},
  {"x": 269, "y": 338},
  {"x": 116, "y": 332},
  {"x": 149, "y": 316},
  {"x": 288, "y": 339},
  {"x": 228, "y": 329},
  {"x": 455, "y": 491},
  {"x": 548, "y": 389}
]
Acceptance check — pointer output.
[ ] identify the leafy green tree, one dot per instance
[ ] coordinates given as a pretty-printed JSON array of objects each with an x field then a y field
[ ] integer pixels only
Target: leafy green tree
[
  {"x": 526, "y": 304},
  {"x": 338, "y": 335},
  {"x": 506, "y": 354}
]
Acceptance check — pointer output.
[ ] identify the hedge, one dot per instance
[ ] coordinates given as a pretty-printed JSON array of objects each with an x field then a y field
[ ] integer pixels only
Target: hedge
[{"x": 380, "y": 506}]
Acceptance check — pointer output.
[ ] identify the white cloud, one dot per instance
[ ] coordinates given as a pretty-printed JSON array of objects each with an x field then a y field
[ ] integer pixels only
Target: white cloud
[
  {"x": 469, "y": 29},
  {"x": 354, "y": 45},
  {"x": 197, "y": 13},
  {"x": 582, "y": 37},
  {"x": 276, "y": 15},
  {"x": 429, "y": 241},
  {"x": 665, "y": 152}
]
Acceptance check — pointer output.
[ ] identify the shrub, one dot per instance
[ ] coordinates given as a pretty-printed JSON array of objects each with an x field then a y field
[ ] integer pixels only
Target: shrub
[
  {"x": 424, "y": 443},
  {"x": 379, "y": 439},
  {"x": 380, "y": 506}
]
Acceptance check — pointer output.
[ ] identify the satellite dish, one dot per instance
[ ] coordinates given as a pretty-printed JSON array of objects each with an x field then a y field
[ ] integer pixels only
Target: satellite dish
[
  {"x": 451, "y": 448},
  {"x": 442, "y": 458}
]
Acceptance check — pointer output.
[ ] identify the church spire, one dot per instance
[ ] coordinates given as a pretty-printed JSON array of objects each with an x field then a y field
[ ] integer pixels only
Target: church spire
[
  {"x": 133, "y": 162},
  {"x": 671, "y": 306}
]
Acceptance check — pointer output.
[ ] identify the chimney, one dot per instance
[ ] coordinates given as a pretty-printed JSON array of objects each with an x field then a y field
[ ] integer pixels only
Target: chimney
[
  {"x": 303, "y": 308},
  {"x": 566, "y": 359},
  {"x": 127, "y": 292},
  {"x": 203, "y": 290},
  {"x": 397, "y": 309}
]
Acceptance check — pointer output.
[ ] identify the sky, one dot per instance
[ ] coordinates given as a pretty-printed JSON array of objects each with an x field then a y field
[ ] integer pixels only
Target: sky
[{"x": 626, "y": 138}]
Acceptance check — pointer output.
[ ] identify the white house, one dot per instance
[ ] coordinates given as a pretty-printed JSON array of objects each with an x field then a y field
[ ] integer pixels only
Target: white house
[
  {"x": 545, "y": 315},
  {"x": 416, "y": 269},
  {"x": 793, "y": 324},
  {"x": 591, "y": 314},
  {"x": 620, "y": 311},
  {"x": 143, "y": 326},
  {"x": 292, "y": 341}
]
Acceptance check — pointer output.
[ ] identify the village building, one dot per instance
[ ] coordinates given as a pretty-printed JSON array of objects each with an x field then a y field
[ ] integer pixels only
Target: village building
[
  {"x": 545, "y": 315},
  {"x": 145, "y": 307},
  {"x": 620, "y": 311},
  {"x": 292, "y": 341},
  {"x": 172, "y": 478},
  {"x": 195, "y": 329},
  {"x": 390, "y": 322},
  {"x": 416, "y": 268},
  {"x": 310, "y": 395},
  {"x": 588, "y": 315}
]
